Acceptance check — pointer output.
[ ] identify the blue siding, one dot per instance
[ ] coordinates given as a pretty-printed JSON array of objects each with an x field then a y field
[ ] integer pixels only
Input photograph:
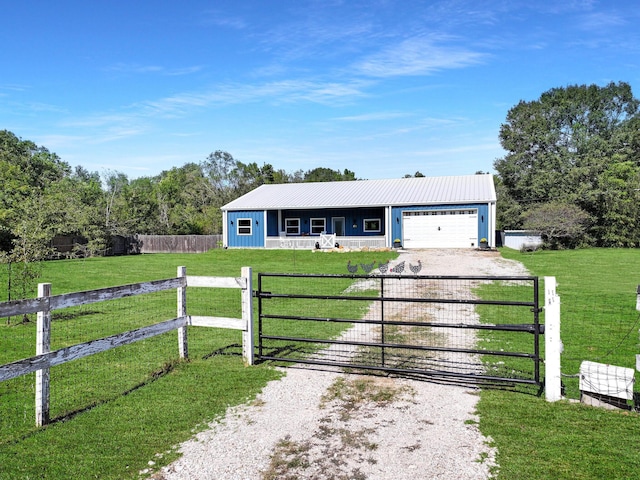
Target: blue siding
[
  {"x": 272, "y": 223},
  {"x": 353, "y": 221},
  {"x": 256, "y": 239},
  {"x": 352, "y": 218},
  {"x": 483, "y": 217}
]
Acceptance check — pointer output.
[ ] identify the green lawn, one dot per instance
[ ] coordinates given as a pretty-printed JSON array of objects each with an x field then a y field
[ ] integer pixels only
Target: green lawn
[
  {"x": 112, "y": 421},
  {"x": 115, "y": 411},
  {"x": 563, "y": 440}
]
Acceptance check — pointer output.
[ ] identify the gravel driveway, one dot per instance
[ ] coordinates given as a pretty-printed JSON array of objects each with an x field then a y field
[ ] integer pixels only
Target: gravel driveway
[{"x": 319, "y": 424}]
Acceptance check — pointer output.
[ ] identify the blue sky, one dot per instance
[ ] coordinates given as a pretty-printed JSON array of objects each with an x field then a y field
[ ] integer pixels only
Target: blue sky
[{"x": 381, "y": 87}]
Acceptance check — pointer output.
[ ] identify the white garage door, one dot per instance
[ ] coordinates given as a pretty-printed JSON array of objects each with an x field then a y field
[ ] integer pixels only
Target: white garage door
[{"x": 440, "y": 229}]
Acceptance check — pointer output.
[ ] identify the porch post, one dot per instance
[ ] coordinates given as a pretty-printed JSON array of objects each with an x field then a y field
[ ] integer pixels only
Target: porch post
[
  {"x": 266, "y": 229},
  {"x": 388, "y": 233}
]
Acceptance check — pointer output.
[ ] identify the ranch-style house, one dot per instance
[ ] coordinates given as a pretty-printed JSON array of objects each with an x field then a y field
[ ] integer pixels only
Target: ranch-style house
[{"x": 424, "y": 212}]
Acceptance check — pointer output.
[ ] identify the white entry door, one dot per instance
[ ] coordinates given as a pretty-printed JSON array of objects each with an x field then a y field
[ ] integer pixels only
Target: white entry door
[{"x": 440, "y": 228}]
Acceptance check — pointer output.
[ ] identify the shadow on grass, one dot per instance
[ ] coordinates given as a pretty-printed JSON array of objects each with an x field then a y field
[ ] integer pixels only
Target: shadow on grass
[
  {"x": 65, "y": 417},
  {"x": 167, "y": 368}
]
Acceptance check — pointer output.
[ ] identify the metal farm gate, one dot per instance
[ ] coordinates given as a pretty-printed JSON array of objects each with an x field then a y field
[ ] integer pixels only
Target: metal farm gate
[{"x": 474, "y": 328}]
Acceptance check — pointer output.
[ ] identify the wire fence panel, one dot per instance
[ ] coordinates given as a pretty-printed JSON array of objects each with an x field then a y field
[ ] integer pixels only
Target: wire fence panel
[
  {"x": 481, "y": 328},
  {"x": 86, "y": 382},
  {"x": 109, "y": 374},
  {"x": 75, "y": 351},
  {"x": 600, "y": 327}
]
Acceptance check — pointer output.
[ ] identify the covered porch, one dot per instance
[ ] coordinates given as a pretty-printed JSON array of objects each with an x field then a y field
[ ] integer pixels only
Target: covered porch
[{"x": 324, "y": 242}]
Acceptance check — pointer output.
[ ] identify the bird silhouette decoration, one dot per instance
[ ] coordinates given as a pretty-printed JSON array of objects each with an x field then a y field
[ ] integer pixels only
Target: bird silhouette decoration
[
  {"x": 383, "y": 267},
  {"x": 399, "y": 268},
  {"x": 416, "y": 268},
  {"x": 367, "y": 267},
  {"x": 352, "y": 268}
]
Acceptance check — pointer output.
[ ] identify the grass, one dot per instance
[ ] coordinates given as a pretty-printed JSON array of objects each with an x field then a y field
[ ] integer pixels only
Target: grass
[
  {"x": 148, "y": 411},
  {"x": 562, "y": 440},
  {"x": 116, "y": 411},
  {"x": 519, "y": 342},
  {"x": 318, "y": 309}
]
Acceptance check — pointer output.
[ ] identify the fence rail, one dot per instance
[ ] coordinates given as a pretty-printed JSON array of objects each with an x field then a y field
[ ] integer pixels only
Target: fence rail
[{"x": 45, "y": 304}]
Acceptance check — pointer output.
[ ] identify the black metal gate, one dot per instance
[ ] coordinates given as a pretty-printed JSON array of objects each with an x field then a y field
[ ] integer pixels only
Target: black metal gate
[{"x": 484, "y": 329}]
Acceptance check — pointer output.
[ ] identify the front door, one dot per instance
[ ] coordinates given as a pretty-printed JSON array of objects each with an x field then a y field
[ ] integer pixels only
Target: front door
[{"x": 338, "y": 226}]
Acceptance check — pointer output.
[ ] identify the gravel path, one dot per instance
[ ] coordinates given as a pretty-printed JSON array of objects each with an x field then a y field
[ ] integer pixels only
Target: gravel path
[{"x": 320, "y": 424}]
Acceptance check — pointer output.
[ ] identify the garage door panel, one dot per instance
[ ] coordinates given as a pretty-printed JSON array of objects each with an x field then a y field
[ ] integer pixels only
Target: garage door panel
[{"x": 444, "y": 229}]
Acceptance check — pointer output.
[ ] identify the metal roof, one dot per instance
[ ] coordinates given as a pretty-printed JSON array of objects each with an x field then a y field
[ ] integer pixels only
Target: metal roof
[{"x": 369, "y": 193}]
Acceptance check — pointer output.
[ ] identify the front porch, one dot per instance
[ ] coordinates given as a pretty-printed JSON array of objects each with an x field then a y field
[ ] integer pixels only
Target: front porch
[{"x": 324, "y": 241}]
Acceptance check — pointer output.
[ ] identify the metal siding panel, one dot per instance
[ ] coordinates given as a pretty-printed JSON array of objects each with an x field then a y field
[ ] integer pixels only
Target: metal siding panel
[
  {"x": 256, "y": 239},
  {"x": 482, "y": 229},
  {"x": 272, "y": 223}
]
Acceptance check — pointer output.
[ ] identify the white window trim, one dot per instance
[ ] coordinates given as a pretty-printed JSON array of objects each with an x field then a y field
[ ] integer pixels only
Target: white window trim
[
  {"x": 364, "y": 225},
  {"x": 324, "y": 226},
  {"x": 238, "y": 226},
  {"x": 287, "y": 226}
]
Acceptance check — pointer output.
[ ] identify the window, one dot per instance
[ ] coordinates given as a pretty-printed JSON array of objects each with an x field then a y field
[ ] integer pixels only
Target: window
[
  {"x": 372, "y": 225},
  {"x": 318, "y": 225},
  {"x": 292, "y": 226},
  {"x": 244, "y": 226}
]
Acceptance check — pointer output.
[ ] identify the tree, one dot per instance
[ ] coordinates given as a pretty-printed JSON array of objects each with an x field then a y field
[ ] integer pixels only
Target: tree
[
  {"x": 322, "y": 174},
  {"x": 25, "y": 169},
  {"x": 618, "y": 196},
  {"x": 561, "y": 224},
  {"x": 560, "y": 148}
]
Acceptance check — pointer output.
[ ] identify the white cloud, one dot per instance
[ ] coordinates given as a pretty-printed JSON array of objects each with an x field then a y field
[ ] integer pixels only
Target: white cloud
[
  {"x": 421, "y": 55},
  {"x": 601, "y": 21},
  {"x": 217, "y": 19},
  {"x": 14, "y": 87},
  {"x": 368, "y": 117},
  {"x": 137, "y": 69},
  {"x": 439, "y": 152}
]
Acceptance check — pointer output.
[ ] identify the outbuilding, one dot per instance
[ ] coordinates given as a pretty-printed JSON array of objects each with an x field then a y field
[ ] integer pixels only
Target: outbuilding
[{"x": 423, "y": 212}]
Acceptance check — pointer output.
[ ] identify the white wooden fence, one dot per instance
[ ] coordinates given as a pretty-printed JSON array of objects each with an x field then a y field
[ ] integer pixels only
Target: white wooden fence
[{"x": 45, "y": 304}]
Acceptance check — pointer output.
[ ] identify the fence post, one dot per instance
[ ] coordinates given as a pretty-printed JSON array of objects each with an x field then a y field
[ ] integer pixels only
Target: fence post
[
  {"x": 43, "y": 345},
  {"x": 182, "y": 312},
  {"x": 247, "y": 316},
  {"x": 552, "y": 341}
]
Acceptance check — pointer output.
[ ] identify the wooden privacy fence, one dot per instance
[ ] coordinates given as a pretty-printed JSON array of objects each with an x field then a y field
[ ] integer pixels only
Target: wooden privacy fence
[
  {"x": 45, "y": 304},
  {"x": 177, "y": 243}
]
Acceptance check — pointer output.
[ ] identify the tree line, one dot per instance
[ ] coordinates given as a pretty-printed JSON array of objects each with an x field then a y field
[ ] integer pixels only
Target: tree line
[
  {"x": 572, "y": 168},
  {"x": 571, "y": 171},
  {"x": 42, "y": 196}
]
